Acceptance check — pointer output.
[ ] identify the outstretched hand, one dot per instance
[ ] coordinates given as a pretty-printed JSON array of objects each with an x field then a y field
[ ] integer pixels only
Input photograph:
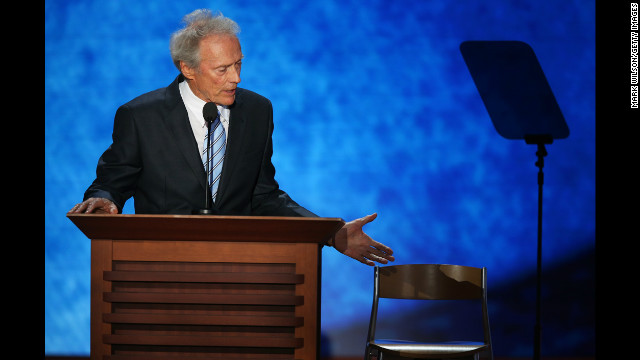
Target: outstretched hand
[{"x": 352, "y": 241}]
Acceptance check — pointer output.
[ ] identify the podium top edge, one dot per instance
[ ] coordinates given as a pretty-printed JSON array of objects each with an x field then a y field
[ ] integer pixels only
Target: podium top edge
[
  {"x": 205, "y": 217},
  {"x": 199, "y": 227}
]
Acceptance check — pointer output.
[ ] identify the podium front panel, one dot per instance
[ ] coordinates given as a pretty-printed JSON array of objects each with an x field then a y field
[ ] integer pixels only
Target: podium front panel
[{"x": 176, "y": 299}]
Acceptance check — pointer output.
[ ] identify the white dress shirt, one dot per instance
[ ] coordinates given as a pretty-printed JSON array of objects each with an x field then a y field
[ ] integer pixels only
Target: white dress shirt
[{"x": 194, "y": 107}]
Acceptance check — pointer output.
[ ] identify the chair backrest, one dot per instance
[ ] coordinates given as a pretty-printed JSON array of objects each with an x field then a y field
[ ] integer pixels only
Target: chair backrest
[{"x": 430, "y": 282}]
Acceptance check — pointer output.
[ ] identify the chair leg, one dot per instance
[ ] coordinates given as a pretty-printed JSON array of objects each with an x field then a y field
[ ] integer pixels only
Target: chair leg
[{"x": 368, "y": 353}]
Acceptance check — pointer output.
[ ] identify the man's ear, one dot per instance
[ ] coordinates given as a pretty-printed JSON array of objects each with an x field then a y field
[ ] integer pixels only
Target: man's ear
[{"x": 187, "y": 71}]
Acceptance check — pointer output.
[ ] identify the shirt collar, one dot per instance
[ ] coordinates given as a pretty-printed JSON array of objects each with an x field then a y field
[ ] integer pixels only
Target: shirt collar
[{"x": 195, "y": 104}]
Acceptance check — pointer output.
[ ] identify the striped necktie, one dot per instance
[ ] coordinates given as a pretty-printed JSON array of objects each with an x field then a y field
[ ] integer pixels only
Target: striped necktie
[{"x": 214, "y": 152}]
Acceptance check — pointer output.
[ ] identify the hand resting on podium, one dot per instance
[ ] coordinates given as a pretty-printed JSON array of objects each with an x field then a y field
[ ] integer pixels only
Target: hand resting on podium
[{"x": 96, "y": 206}]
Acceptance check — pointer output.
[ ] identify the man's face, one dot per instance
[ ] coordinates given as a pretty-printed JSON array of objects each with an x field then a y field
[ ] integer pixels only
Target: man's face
[{"x": 218, "y": 75}]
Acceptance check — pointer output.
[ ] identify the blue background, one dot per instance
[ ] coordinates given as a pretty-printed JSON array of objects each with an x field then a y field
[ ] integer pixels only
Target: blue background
[{"x": 375, "y": 111}]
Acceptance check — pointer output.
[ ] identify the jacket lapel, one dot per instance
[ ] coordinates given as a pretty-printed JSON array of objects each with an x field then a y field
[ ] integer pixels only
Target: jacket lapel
[{"x": 178, "y": 123}]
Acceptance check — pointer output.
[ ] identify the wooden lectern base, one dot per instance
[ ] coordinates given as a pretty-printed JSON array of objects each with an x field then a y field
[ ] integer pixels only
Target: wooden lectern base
[{"x": 170, "y": 298}]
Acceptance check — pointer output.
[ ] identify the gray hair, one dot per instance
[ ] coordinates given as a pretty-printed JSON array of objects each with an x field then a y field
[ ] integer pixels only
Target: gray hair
[{"x": 185, "y": 43}]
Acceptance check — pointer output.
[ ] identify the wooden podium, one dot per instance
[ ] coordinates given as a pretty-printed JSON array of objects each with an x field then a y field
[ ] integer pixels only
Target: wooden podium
[{"x": 214, "y": 287}]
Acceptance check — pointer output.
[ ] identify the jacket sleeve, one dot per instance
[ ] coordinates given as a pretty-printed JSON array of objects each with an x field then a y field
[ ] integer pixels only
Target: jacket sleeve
[
  {"x": 119, "y": 166},
  {"x": 268, "y": 198}
]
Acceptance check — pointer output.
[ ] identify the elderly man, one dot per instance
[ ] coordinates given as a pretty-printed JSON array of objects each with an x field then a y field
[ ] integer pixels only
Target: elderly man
[{"x": 163, "y": 141}]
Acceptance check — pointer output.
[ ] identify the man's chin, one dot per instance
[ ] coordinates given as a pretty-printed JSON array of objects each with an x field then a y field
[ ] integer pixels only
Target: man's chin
[{"x": 227, "y": 100}]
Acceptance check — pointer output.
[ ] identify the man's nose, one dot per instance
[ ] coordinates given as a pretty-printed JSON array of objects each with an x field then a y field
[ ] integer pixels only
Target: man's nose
[{"x": 235, "y": 75}]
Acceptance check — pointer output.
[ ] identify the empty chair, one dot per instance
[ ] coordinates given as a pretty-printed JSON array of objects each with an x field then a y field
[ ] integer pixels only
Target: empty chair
[{"x": 428, "y": 282}]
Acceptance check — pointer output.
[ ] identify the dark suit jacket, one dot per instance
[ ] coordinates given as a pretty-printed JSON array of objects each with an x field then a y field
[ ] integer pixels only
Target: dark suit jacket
[{"x": 154, "y": 158}]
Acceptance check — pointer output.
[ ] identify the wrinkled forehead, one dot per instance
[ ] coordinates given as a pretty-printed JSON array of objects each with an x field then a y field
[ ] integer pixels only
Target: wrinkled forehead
[{"x": 220, "y": 49}]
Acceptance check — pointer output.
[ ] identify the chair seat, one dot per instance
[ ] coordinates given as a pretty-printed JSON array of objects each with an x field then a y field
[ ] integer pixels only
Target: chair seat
[{"x": 426, "y": 350}]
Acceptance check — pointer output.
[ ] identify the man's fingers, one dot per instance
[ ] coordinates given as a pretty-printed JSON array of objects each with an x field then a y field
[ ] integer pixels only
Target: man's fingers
[
  {"x": 382, "y": 248},
  {"x": 370, "y": 255},
  {"x": 380, "y": 255},
  {"x": 78, "y": 208},
  {"x": 365, "y": 260},
  {"x": 379, "y": 250},
  {"x": 366, "y": 219},
  {"x": 95, "y": 205}
]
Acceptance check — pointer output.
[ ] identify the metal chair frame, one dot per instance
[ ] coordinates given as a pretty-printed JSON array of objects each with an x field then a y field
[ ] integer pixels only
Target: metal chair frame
[{"x": 428, "y": 282}]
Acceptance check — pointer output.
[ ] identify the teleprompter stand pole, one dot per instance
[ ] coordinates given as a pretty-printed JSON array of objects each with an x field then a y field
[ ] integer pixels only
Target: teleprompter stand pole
[{"x": 540, "y": 141}]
